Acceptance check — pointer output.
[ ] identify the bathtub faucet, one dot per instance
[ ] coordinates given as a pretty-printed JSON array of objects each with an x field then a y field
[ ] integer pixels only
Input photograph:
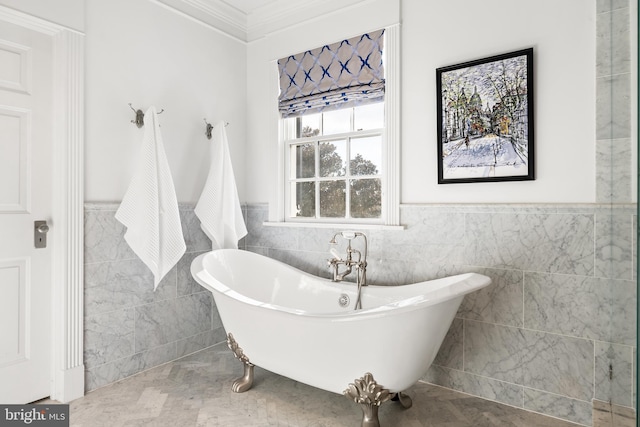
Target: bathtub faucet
[
  {"x": 359, "y": 261},
  {"x": 350, "y": 261}
]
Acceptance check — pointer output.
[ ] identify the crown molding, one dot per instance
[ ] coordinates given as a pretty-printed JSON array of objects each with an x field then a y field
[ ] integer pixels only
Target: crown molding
[
  {"x": 259, "y": 22},
  {"x": 221, "y": 11},
  {"x": 215, "y": 13},
  {"x": 285, "y": 13},
  {"x": 278, "y": 15}
]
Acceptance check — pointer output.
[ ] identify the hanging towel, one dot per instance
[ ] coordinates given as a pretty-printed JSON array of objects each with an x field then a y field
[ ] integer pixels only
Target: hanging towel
[
  {"x": 149, "y": 208},
  {"x": 219, "y": 208}
]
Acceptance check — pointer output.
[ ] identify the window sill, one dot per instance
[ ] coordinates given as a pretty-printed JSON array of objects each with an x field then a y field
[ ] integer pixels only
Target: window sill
[{"x": 344, "y": 226}]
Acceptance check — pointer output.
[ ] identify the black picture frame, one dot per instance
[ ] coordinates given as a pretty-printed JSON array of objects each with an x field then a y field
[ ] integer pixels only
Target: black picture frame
[{"x": 485, "y": 119}]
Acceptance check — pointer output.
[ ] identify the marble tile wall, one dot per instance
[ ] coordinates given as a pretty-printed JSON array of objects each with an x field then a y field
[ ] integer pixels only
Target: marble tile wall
[
  {"x": 613, "y": 102},
  {"x": 129, "y": 327},
  {"x": 561, "y": 307}
]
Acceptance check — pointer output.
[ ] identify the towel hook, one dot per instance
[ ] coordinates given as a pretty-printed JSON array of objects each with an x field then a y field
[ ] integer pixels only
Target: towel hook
[
  {"x": 210, "y": 128},
  {"x": 139, "y": 120}
]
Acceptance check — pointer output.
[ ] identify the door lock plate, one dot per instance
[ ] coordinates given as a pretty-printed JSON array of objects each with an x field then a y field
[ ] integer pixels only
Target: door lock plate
[{"x": 40, "y": 230}]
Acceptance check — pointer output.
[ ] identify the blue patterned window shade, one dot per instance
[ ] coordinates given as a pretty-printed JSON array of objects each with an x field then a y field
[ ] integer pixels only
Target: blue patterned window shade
[{"x": 334, "y": 76}]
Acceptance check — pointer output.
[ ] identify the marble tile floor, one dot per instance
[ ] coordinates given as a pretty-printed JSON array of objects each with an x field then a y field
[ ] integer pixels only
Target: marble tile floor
[{"x": 196, "y": 391}]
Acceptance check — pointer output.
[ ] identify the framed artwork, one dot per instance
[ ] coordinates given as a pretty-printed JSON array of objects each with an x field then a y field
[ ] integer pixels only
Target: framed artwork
[{"x": 485, "y": 119}]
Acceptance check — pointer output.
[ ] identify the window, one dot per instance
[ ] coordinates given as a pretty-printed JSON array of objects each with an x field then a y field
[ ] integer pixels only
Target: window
[
  {"x": 340, "y": 161},
  {"x": 335, "y": 163}
]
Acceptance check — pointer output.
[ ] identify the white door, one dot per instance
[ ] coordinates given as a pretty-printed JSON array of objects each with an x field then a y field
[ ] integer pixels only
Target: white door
[{"x": 25, "y": 196}]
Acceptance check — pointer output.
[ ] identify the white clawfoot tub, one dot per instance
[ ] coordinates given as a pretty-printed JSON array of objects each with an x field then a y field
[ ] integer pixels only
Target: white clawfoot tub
[{"x": 291, "y": 323}]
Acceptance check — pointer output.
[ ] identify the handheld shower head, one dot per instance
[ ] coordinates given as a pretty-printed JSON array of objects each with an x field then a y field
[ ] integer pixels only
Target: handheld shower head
[{"x": 349, "y": 235}]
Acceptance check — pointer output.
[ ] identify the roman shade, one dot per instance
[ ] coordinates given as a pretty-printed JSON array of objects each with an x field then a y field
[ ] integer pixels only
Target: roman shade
[{"x": 338, "y": 75}]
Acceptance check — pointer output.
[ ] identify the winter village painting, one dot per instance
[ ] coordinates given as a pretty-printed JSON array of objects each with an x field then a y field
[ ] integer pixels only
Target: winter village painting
[{"x": 485, "y": 119}]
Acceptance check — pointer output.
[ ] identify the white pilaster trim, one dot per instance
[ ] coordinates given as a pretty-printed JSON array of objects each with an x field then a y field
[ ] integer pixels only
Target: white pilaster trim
[
  {"x": 277, "y": 192},
  {"x": 392, "y": 103},
  {"x": 68, "y": 214}
]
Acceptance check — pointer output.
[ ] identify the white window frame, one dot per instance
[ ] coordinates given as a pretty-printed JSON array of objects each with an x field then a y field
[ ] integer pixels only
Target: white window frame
[
  {"x": 390, "y": 176},
  {"x": 291, "y": 140}
]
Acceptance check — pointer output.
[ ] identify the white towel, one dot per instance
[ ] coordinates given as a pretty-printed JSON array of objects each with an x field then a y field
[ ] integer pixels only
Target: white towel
[
  {"x": 149, "y": 208},
  {"x": 219, "y": 208}
]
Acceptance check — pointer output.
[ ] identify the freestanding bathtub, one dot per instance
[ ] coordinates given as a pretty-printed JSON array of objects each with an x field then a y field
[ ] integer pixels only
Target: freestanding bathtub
[{"x": 294, "y": 324}]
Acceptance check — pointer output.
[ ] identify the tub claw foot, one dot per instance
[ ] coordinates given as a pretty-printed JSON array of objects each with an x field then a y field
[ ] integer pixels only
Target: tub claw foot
[
  {"x": 369, "y": 395},
  {"x": 404, "y": 400},
  {"x": 370, "y": 415},
  {"x": 244, "y": 383}
]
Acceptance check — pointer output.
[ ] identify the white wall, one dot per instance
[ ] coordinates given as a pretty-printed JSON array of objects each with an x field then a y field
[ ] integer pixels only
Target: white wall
[
  {"x": 439, "y": 33},
  {"x": 562, "y": 34},
  {"x": 139, "y": 52}
]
